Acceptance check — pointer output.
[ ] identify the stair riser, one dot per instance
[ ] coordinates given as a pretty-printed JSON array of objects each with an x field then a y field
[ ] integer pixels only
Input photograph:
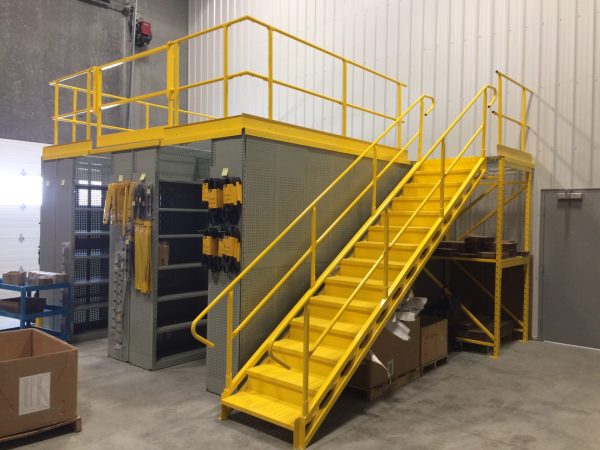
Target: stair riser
[
  {"x": 435, "y": 164},
  {"x": 418, "y": 221},
  {"x": 295, "y": 361},
  {"x": 331, "y": 340},
  {"x": 428, "y": 177},
  {"x": 408, "y": 237},
  {"x": 374, "y": 253},
  {"x": 360, "y": 271},
  {"x": 351, "y": 316},
  {"x": 343, "y": 290},
  {"x": 284, "y": 393},
  {"x": 412, "y": 205},
  {"x": 421, "y": 191}
]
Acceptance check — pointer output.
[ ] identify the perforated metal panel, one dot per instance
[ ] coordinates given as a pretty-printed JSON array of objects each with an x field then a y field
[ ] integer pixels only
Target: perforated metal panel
[{"x": 279, "y": 181}]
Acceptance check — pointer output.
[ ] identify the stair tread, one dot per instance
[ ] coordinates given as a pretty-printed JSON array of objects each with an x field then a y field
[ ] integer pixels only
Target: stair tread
[
  {"x": 410, "y": 213},
  {"x": 399, "y": 227},
  {"x": 455, "y": 170},
  {"x": 356, "y": 304},
  {"x": 380, "y": 244},
  {"x": 353, "y": 280},
  {"x": 339, "y": 327},
  {"x": 323, "y": 353},
  {"x": 369, "y": 262},
  {"x": 292, "y": 378},
  {"x": 267, "y": 408},
  {"x": 433, "y": 183}
]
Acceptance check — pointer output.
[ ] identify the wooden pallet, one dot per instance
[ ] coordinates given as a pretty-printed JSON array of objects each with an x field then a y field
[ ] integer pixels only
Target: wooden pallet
[
  {"x": 74, "y": 425},
  {"x": 434, "y": 364},
  {"x": 379, "y": 391}
]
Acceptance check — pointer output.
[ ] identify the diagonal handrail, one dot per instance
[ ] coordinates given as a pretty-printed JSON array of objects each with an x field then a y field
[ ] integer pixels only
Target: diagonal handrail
[{"x": 369, "y": 151}]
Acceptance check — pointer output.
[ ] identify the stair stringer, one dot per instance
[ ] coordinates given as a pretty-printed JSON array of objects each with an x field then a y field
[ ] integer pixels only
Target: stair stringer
[{"x": 326, "y": 397}]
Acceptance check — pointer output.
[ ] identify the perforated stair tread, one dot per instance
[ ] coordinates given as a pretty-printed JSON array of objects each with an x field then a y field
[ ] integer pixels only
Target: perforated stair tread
[
  {"x": 323, "y": 353},
  {"x": 291, "y": 378},
  {"x": 380, "y": 245},
  {"x": 338, "y": 302},
  {"x": 340, "y": 328},
  {"x": 264, "y": 407},
  {"x": 454, "y": 171}
]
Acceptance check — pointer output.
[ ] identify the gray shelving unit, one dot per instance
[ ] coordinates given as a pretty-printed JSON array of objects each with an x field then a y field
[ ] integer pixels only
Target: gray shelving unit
[
  {"x": 73, "y": 238},
  {"x": 153, "y": 331}
]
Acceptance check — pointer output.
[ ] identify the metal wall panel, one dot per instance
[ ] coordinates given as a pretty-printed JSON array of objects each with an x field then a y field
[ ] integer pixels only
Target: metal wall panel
[{"x": 445, "y": 48}]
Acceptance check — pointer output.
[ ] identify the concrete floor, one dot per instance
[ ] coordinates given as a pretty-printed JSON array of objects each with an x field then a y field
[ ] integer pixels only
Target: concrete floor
[{"x": 536, "y": 396}]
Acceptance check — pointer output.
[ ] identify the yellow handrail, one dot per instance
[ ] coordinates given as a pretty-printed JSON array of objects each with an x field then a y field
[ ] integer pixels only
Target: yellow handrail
[
  {"x": 172, "y": 88},
  {"x": 522, "y": 122},
  {"x": 309, "y": 209}
]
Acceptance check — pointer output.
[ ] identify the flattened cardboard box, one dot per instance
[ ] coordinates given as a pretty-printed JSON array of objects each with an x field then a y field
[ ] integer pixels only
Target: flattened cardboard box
[
  {"x": 38, "y": 381},
  {"x": 398, "y": 356}
]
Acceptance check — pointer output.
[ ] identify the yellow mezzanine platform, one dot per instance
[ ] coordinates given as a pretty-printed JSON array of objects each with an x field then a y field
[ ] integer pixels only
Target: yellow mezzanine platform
[{"x": 218, "y": 129}]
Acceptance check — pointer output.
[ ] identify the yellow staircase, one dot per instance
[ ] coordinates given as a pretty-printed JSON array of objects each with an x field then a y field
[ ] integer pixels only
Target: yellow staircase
[{"x": 296, "y": 375}]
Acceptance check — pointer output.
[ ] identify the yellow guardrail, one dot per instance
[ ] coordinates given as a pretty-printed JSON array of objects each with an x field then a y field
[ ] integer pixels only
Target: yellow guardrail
[
  {"x": 522, "y": 121},
  {"x": 95, "y": 96}
]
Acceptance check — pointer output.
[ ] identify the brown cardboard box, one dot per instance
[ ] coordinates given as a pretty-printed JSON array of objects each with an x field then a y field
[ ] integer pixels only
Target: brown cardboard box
[
  {"x": 38, "y": 381},
  {"x": 434, "y": 339},
  {"x": 397, "y": 355},
  {"x": 163, "y": 253}
]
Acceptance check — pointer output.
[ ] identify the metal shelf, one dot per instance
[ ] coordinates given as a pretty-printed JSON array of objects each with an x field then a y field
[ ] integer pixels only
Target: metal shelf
[
  {"x": 86, "y": 282},
  {"x": 85, "y": 233},
  {"x": 181, "y": 296},
  {"x": 511, "y": 261},
  {"x": 81, "y": 257},
  {"x": 190, "y": 210},
  {"x": 90, "y": 306},
  {"x": 181, "y": 266},
  {"x": 177, "y": 180},
  {"x": 177, "y": 326},
  {"x": 179, "y": 236},
  {"x": 180, "y": 358}
]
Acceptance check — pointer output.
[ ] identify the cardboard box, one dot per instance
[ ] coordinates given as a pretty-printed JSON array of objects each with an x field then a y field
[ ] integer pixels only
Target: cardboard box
[
  {"x": 38, "y": 381},
  {"x": 397, "y": 355},
  {"x": 163, "y": 253},
  {"x": 434, "y": 339}
]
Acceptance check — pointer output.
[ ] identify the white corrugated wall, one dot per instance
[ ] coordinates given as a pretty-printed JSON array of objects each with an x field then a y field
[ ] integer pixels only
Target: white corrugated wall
[{"x": 447, "y": 48}]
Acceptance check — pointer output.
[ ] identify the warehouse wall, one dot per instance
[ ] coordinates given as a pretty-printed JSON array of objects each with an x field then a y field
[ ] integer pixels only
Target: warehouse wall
[
  {"x": 445, "y": 48},
  {"x": 41, "y": 40}
]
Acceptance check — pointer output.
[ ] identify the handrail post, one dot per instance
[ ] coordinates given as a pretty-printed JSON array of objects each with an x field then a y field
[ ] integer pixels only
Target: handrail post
[
  {"x": 170, "y": 83},
  {"x": 313, "y": 246},
  {"x": 270, "y": 57},
  {"x": 98, "y": 102},
  {"x": 147, "y": 115},
  {"x": 386, "y": 249},
  {"x": 499, "y": 109},
  {"x": 229, "y": 351},
  {"x": 56, "y": 102},
  {"x": 74, "y": 118},
  {"x": 344, "y": 97},
  {"x": 484, "y": 108},
  {"x": 374, "y": 181},
  {"x": 176, "y": 49},
  {"x": 443, "y": 176},
  {"x": 398, "y": 114},
  {"x": 420, "y": 144},
  {"x": 225, "y": 70},
  {"x": 88, "y": 105},
  {"x": 523, "y": 118}
]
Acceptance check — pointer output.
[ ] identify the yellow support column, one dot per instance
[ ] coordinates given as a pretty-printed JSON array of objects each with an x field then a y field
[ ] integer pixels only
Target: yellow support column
[
  {"x": 527, "y": 248},
  {"x": 226, "y": 71},
  {"x": 498, "y": 265},
  {"x": 270, "y": 58},
  {"x": 56, "y": 94}
]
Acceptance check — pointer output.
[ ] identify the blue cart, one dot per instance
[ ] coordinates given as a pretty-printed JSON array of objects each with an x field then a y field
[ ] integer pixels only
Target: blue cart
[{"x": 28, "y": 320}]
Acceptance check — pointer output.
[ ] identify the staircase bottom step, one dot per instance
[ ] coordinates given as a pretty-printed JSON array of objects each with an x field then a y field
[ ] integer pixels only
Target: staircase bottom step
[{"x": 264, "y": 408}]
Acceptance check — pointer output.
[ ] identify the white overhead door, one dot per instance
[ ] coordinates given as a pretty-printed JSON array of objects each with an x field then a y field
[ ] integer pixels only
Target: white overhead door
[{"x": 20, "y": 200}]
